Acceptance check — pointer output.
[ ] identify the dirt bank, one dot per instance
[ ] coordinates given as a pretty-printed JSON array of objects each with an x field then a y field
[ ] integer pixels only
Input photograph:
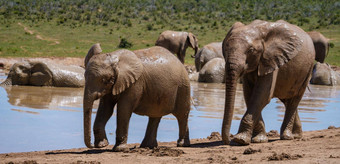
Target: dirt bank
[{"x": 321, "y": 146}]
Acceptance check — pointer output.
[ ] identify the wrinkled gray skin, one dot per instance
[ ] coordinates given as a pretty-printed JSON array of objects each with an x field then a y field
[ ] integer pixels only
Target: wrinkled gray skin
[
  {"x": 275, "y": 59},
  {"x": 150, "y": 82},
  {"x": 324, "y": 75},
  {"x": 208, "y": 52},
  {"x": 321, "y": 45},
  {"x": 178, "y": 42},
  {"x": 213, "y": 71},
  {"x": 37, "y": 73}
]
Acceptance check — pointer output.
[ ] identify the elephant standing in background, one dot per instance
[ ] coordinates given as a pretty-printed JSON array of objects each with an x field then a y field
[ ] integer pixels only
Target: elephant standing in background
[
  {"x": 324, "y": 75},
  {"x": 177, "y": 42},
  {"x": 321, "y": 45},
  {"x": 36, "y": 73},
  {"x": 208, "y": 52},
  {"x": 213, "y": 71},
  {"x": 275, "y": 59},
  {"x": 150, "y": 82}
]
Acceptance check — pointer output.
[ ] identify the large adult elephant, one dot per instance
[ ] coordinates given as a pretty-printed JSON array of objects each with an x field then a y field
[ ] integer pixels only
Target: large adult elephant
[
  {"x": 150, "y": 82},
  {"x": 321, "y": 45},
  {"x": 177, "y": 42},
  {"x": 36, "y": 73},
  {"x": 275, "y": 60},
  {"x": 208, "y": 52}
]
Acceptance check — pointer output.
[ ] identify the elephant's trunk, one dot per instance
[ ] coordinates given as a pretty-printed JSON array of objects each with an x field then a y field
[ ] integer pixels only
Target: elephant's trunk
[
  {"x": 7, "y": 82},
  {"x": 232, "y": 74},
  {"x": 87, "y": 109},
  {"x": 196, "y": 49}
]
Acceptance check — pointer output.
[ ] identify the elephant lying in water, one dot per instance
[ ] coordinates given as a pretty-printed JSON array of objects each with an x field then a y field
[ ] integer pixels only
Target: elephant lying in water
[
  {"x": 208, "y": 52},
  {"x": 37, "y": 73},
  {"x": 324, "y": 75},
  {"x": 150, "y": 82},
  {"x": 213, "y": 71}
]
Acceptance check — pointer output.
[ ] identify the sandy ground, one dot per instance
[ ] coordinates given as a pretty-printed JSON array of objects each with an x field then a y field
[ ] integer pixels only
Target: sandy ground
[{"x": 321, "y": 146}]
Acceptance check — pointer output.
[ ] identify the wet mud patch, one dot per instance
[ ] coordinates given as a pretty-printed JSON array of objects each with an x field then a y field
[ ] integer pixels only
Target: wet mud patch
[
  {"x": 283, "y": 156},
  {"x": 24, "y": 162},
  {"x": 273, "y": 134},
  {"x": 251, "y": 151},
  {"x": 215, "y": 136},
  {"x": 86, "y": 162},
  {"x": 158, "y": 151}
]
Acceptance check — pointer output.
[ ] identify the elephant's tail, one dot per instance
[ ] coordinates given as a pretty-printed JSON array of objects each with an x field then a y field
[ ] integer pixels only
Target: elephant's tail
[{"x": 328, "y": 45}]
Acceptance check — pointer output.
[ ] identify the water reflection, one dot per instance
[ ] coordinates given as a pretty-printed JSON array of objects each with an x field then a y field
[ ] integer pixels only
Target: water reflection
[{"x": 46, "y": 118}]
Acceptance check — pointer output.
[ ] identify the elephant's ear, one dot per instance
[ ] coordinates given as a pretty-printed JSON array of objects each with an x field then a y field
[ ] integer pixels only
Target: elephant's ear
[
  {"x": 94, "y": 50},
  {"x": 128, "y": 70},
  {"x": 192, "y": 40},
  {"x": 281, "y": 44},
  {"x": 41, "y": 75}
]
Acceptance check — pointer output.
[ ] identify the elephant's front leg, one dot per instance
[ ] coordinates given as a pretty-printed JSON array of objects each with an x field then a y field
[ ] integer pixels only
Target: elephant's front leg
[
  {"x": 104, "y": 113},
  {"x": 260, "y": 97},
  {"x": 150, "y": 138},
  {"x": 124, "y": 111},
  {"x": 291, "y": 126},
  {"x": 259, "y": 132}
]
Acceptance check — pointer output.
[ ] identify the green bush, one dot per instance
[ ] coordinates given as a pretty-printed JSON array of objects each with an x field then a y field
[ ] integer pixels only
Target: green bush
[{"x": 124, "y": 43}]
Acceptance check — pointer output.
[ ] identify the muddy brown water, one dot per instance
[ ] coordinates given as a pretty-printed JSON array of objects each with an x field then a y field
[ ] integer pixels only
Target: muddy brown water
[{"x": 47, "y": 118}]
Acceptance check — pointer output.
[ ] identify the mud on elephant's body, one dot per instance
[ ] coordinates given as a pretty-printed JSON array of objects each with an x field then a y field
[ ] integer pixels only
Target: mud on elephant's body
[
  {"x": 275, "y": 60},
  {"x": 37, "y": 73},
  {"x": 177, "y": 42},
  {"x": 321, "y": 45},
  {"x": 213, "y": 71},
  {"x": 150, "y": 82},
  {"x": 208, "y": 52},
  {"x": 324, "y": 75}
]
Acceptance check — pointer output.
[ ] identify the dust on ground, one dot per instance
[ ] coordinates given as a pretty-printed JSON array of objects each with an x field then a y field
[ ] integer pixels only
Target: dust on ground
[{"x": 322, "y": 146}]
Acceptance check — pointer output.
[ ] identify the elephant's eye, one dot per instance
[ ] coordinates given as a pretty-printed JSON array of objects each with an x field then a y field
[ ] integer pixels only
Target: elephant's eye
[{"x": 251, "y": 50}]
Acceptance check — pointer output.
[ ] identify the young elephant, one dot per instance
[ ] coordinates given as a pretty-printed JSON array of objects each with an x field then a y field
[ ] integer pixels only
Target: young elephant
[
  {"x": 38, "y": 73},
  {"x": 149, "y": 82},
  {"x": 275, "y": 59},
  {"x": 207, "y": 53},
  {"x": 177, "y": 42}
]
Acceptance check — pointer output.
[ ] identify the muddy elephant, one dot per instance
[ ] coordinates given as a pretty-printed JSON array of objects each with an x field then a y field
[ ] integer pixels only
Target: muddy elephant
[
  {"x": 208, "y": 52},
  {"x": 324, "y": 75},
  {"x": 150, "y": 82},
  {"x": 321, "y": 45},
  {"x": 36, "y": 73},
  {"x": 177, "y": 42},
  {"x": 275, "y": 59},
  {"x": 213, "y": 71}
]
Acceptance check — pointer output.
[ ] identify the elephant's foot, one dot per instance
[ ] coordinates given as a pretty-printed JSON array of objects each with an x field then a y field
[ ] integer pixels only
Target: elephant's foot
[
  {"x": 183, "y": 142},
  {"x": 242, "y": 138},
  {"x": 121, "y": 148},
  {"x": 260, "y": 138},
  {"x": 287, "y": 135},
  {"x": 297, "y": 135},
  {"x": 150, "y": 144},
  {"x": 102, "y": 143}
]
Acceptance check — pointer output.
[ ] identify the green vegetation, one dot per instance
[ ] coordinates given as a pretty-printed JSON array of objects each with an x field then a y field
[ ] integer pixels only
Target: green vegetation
[{"x": 32, "y": 28}]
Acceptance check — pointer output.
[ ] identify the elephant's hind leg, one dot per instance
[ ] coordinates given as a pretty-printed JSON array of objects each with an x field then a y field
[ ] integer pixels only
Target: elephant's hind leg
[
  {"x": 104, "y": 113},
  {"x": 182, "y": 109},
  {"x": 150, "y": 138}
]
